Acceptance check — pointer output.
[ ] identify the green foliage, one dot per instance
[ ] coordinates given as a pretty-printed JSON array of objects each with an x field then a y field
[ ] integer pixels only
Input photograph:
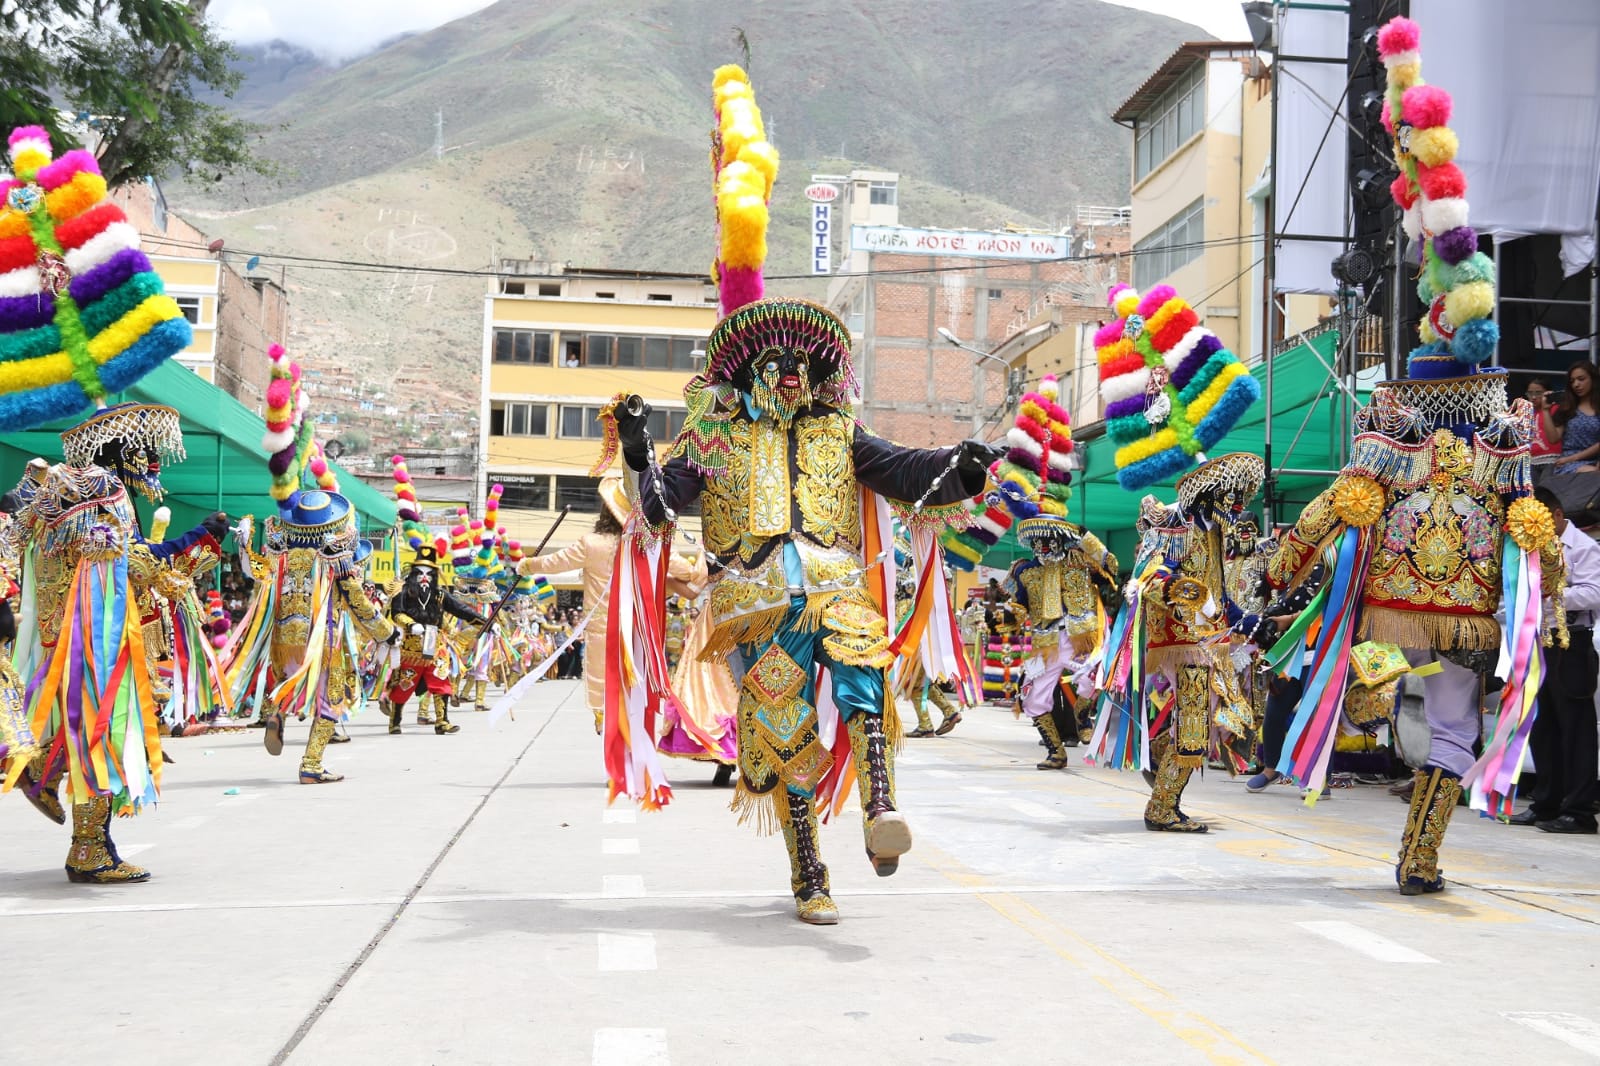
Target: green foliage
[{"x": 134, "y": 75}]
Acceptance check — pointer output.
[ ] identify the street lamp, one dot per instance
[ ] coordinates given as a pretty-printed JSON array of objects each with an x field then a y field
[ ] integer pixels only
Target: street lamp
[{"x": 1014, "y": 377}]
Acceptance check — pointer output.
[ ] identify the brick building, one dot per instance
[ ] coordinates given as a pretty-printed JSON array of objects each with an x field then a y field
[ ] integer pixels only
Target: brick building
[{"x": 899, "y": 287}]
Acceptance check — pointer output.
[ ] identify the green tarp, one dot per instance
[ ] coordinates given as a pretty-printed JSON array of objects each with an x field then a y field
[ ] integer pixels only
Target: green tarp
[
  {"x": 1303, "y": 395},
  {"x": 226, "y": 469}
]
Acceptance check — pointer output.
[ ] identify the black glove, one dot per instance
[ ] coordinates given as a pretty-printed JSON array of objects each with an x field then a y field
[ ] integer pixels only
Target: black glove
[
  {"x": 974, "y": 458},
  {"x": 8, "y": 621},
  {"x": 633, "y": 431},
  {"x": 393, "y": 638},
  {"x": 216, "y": 525}
]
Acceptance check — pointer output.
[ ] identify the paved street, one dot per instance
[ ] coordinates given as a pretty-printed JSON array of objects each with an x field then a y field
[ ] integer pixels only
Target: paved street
[{"x": 470, "y": 899}]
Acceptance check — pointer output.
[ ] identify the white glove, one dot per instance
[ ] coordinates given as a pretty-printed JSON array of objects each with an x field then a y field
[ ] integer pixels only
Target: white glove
[{"x": 416, "y": 629}]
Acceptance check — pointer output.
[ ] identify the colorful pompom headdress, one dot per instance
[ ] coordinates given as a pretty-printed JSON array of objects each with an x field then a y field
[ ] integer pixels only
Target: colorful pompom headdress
[
  {"x": 1033, "y": 481},
  {"x": 82, "y": 312},
  {"x": 427, "y": 550},
  {"x": 744, "y": 167},
  {"x": 1457, "y": 283},
  {"x": 1171, "y": 389},
  {"x": 311, "y": 511}
]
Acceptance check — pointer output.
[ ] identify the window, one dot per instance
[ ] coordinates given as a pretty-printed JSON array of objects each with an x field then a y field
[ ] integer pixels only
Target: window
[
  {"x": 605, "y": 296},
  {"x": 522, "y": 346},
  {"x": 1177, "y": 114},
  {"x": 630, "y": 351},
  {"x": 519, "y": 420},
  {"x": 578, "y": 493},
  {"x": 580, "y": 423},
  {"x": 995, "y": 294},
  {"x": 659, "y": 297},
  {"x": 516, "y": 288},
  {"x": 553, "y": 289},
  {"x": 1170, "y": 247},
  {"x": 574, "y": 347},
  {"x": 881, "y": 192},
  {"x": 648, "y": 353},
  {"x": 532, "y": 494},
  {"x": 665, "y": 424},
  {"x": 190, "y": 306}
]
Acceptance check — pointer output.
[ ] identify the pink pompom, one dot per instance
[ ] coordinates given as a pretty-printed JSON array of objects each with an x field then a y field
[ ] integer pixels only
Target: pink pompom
[
  {"x": 1116, "y": 290},
  {"x": 29, "y": 133},
  {"x": 219, "y": 641},
  {"x": 1109, "y": 333},
  {"x": 319, "y": 466},
  {"x": 1399, "y": 34},
  {"x": 1400, "y": 189},
  {"x": 1386, "y": 118},
  {"x": 401, "y": 477},
  {"x": 1443, "y": 182},
  {"x": 1425, "y": 106},
  {"x": 1156, "y": 299},
  {"x": 275, "y": 351},
  {"x": 279, "y": 392}
]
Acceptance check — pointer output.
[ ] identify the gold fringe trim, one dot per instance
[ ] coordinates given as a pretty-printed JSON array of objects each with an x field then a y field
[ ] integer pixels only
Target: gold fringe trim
[
  {"x": 760, "y": 808},
  {"x": 1191, "y": 762},
  {"x": 1173, "y": 656},
  {"x": 1430, "y": 629},
  {"x": 891, "y": 723},
  {"x": 756, "y": 628}
]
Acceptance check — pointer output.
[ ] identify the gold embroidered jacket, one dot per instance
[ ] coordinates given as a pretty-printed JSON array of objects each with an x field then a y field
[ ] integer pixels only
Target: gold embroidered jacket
[
  {"x": 796, "y": 486},
  {"x": 1064, "y": 594}
]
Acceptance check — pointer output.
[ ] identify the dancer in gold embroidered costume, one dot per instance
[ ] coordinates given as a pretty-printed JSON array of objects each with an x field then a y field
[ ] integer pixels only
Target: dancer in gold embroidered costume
[
  {"x": 785, "y": 475},
  {"x": 1429, "y": 522}
]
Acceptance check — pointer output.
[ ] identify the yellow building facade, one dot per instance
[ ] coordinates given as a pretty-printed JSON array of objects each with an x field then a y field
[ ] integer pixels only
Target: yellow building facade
[
  {"x": 1201, "y": 192},
  {"x": 194, "y": 283},
  {"x": 558, "y": 343}
]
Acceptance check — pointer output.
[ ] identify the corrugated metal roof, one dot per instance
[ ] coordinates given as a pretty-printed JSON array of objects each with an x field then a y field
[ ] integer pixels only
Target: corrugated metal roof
[{"x": 1177, "y": 64}]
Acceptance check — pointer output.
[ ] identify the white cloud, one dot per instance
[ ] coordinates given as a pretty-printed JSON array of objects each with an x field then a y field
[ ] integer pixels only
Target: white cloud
[
  {"x": 1223, "y": 19},
  {"x": 336, "y": 30}
]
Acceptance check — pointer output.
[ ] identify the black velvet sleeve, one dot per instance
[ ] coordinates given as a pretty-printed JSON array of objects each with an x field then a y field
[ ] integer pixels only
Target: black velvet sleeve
[
  {"x": 905, "y": 473},
  {"x": 678, "y": 487}
]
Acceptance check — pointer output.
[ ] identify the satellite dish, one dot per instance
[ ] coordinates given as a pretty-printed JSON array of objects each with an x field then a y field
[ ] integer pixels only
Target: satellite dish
[
  {"x": 333, "y": 450},
  {"x": 253, "y": 262},
  {"x": 215, "y": 247}
]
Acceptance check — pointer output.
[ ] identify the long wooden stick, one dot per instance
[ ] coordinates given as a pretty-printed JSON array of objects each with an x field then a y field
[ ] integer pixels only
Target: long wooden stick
[{"x": 488, "y": 623}]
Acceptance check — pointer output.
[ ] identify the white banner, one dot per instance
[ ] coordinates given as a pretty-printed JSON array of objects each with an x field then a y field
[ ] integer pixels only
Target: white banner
[
  {"x": 1525, "y": 79},
  {"x": 969, "y": 244},
  {"x": 1310, "y": 196},
  {"x": 821, "y": 237}
]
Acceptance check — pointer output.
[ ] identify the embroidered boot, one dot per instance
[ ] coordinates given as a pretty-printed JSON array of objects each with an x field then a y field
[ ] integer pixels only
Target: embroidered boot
[
  {"x": 1055, "y": 752},
  {"x": 924, "y": 721},
  {"x": 43, "y": 787},
  {"x": 311, "y": 771},
  {"x": 1433, "y": 801},
  {"x": 393, "y": 710},
  {"x": 1161, "y": 814},
  {"x": 888, "y": 835},
  {"x": 482, "y": 691},
  {"x": 93, "y": 858},
  {"x": 808, "y": 877},
  {"x": 950, "y": 714},
  {"x": 441, "y": 713},
  {"x": 425, "y": 715}
]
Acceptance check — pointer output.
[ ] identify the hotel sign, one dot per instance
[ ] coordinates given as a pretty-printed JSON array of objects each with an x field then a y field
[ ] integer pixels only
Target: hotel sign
[{"x": 970, "y": 244}]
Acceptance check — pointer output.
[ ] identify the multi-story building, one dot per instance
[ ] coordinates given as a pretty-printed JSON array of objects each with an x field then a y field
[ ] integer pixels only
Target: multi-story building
[
  {"x": 902, "y": 289},
  {"x": 558, "y": 343},
  {"x": 1201, "y": 177},
  {"x": 236, "y": 316}
]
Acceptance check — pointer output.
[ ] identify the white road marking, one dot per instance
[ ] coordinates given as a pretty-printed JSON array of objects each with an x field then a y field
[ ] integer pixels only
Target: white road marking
[
  {"x": 1032, "y": 809},
  {"x": 621, "y": 886},
  {"x": 1367, "y": 943},
  {"x": 985, "y": 790},
  {"x": 631, "y": 1047},
  {"x": 620, "y": 846},
  {"x": 619, "y": 816},
  {"x": 626, "y": 952},
  {"x": 1571, "y": 1029},
  {"x": 948, "y": 774}
]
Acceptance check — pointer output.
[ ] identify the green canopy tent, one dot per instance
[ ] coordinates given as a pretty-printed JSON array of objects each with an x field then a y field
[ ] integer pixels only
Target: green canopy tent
[
  {"x": 1310, "y": 431},
  {"x": 226, "y": 470}
]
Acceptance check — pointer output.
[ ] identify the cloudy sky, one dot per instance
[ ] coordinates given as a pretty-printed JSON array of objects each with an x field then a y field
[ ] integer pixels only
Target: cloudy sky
[{"x": 343, "y": 28}]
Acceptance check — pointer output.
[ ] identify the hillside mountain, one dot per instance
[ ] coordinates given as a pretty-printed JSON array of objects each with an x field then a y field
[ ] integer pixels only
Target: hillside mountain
[{"x": 576, "y": 130}]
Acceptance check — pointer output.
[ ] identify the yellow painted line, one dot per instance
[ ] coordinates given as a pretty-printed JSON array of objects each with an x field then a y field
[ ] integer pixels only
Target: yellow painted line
[{"x": 1214, "y": 1041}]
